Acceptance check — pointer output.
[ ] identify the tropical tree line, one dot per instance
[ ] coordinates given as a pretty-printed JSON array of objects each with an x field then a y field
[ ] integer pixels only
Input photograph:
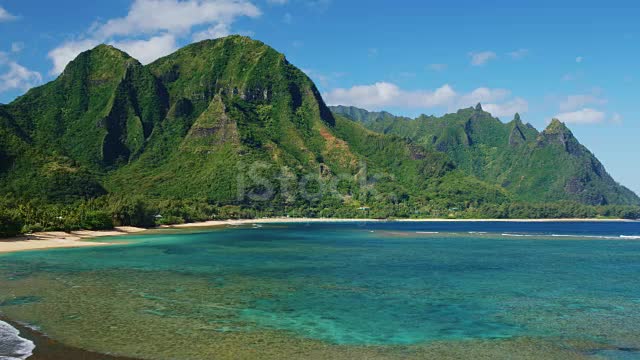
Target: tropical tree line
[{"x": 107, "y": 212}]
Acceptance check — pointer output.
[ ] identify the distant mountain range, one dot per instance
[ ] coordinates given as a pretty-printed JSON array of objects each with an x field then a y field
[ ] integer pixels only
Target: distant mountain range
[
  {"x": 231, "y": 121},
  {"x": 534, "y": 166}
]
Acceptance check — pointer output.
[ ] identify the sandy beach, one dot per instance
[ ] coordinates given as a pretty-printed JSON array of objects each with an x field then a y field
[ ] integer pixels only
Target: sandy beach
[
  {"x": 214, "y": 223},
  {"x": 55, "y": 239},
  {"x": 59, "y": 239}
]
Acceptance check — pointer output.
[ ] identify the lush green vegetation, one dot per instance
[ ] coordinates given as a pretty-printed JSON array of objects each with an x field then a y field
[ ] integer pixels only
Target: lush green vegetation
[
  {"x": 534, "y": 166},
  {"x": 17, "y": 216},
  {"x": 228, "y": 128}
]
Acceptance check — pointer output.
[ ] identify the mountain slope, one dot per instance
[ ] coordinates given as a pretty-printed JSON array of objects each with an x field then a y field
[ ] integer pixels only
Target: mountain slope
[
  {"x": 226, "y": 121},
  {"x": 232, "y": 122},
  {"x": 234, "y": 102},
  {"x": 242, "y": 117},
  {"x": 535, "y": 167},
  {"x": 99, "y": 111}
]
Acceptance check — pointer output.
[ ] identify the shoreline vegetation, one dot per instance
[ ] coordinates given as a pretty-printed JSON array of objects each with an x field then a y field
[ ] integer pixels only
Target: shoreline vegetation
[
  {"x": 19, "y": 216},
  {"x": 84, "y": 238}
]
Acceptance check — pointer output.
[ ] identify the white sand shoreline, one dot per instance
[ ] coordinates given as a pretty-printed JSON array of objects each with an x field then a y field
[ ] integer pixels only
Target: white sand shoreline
[
  {"x": 56, "y": 239},
  {"x": 215, "y": 223},
  {"x": 59, "y": 239}
]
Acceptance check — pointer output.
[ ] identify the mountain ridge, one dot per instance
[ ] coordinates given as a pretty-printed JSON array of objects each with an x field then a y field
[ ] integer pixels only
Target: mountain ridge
[
  {"x": 181, "y": 126},
  {"x": 516, "y": 146},
  {"x": 230, "y": 123}
]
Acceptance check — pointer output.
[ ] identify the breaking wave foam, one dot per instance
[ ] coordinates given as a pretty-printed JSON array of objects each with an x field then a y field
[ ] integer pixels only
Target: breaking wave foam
[{"x": 12, "y": 346}]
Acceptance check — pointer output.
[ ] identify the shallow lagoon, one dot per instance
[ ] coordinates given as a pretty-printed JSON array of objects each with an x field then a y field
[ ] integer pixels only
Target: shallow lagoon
[{"x": 374, "y": 290}]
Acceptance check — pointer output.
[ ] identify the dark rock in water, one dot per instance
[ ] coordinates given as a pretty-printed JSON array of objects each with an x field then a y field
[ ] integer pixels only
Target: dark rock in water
[
  {"x": 629, "y": 349},
  {"x": 22, "y": 300},
  {"x": 621, "y": 353}
]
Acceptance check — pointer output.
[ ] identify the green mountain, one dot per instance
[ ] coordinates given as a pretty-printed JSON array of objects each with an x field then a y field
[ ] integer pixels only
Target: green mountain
[
  {"x": 226, "y": 121},
  {"x": 229, "y": 128},
  {"x": 533, "y": 166}
]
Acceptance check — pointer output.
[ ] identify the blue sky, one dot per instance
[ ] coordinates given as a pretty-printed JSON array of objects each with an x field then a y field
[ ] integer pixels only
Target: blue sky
[{"x": 577, "y": 60}]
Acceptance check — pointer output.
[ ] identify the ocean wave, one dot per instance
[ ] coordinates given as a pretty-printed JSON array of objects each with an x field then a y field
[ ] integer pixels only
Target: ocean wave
[
  {"x": 585, "y": 236},
  {"x": 574, "y": 236},
  {"x": 478, "y": 232},
  {"x": 12, "y": 346},
  {"x": 607, "y": 237},
  {"x": 427, "y": 232}
]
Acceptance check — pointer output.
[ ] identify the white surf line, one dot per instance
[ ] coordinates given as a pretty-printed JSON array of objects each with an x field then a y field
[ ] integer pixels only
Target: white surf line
[{"x": 12, "y": 346}]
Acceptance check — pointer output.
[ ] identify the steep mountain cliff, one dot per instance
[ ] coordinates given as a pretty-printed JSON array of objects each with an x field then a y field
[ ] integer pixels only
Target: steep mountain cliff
[
  {"x": 231, "y": 121},
  {"x": 534, "y": 166},
  {"x": 226, "y": 121}
]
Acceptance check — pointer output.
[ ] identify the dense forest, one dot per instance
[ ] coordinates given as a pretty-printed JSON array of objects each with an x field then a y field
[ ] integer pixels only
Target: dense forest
[{"x": 104, "y": 213}]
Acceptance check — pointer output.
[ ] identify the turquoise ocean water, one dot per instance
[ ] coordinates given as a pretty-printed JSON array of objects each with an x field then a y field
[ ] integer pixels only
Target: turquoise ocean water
[{"x": 353, "y": 284}]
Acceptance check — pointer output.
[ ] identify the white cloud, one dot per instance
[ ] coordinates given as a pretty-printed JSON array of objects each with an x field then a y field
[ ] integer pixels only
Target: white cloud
[
  {"x": 152, "y": 28},
  {"x": 5, "y": 15},
  {"x": 583, "y": 116},
  {"x": 146, "y": 51},
  {"x": 519, "y": 54},
  {"x": 17, "y": 47},
  {"x": 482, "y": 95},
  {"x": 481, "y": 58},
  {"x": 318, "y": 5},
  {"x": 573, "y": 102},
  {"x": 214, "y": 32},
  {"x": 509, "y": 108},
  {"x": 384, "y": 94},
  {"x": 14, "y": 76},
  {"x": 317, "y": 76},
  {"x": 579, "y": 59},
  {"x": 174, "y": 16},
  {"x": 438, "y": 67},
  {"x": 616, "y": 118},
  {"x": 324, "y": 79},
  {"x": 66, "y": 52}
]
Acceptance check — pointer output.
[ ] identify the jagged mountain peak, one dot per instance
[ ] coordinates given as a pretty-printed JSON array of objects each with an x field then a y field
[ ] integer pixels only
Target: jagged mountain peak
[
  {"x": 182, "y": 125},
  {"x": 102, "y": 60},
  {"x": 557, "y": 127},
  {"x": 536, "y": 166},
  {"x": 106, "y": 49}
]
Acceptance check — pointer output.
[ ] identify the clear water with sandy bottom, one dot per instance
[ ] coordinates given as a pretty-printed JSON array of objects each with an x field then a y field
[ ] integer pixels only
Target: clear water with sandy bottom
[{"x": 355, "y": 290}]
